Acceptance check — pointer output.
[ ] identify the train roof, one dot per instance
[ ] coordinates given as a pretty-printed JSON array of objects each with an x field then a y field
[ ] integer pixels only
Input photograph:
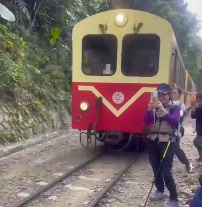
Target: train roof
[{"x": 128, "y": 11}]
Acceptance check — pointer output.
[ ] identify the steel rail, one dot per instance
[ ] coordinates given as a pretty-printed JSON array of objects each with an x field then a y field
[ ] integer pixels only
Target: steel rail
[
  {"x": 53, "y": 183},
  {"x": 110, "y": 185}
]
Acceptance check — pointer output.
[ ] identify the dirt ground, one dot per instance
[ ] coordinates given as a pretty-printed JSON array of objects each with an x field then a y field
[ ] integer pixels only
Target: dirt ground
[
  {"x": 84, "y": 185},
  {"x": 24, "y": 172}
]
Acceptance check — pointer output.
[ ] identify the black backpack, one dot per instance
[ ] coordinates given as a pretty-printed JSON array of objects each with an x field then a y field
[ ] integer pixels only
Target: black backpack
[{"x": 177, "y": 125}]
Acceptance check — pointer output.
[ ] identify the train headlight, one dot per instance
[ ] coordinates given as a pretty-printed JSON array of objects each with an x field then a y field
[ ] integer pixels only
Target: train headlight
[
  {"x": 84, "y": 106},
  {"x": 121, "y": 20}
]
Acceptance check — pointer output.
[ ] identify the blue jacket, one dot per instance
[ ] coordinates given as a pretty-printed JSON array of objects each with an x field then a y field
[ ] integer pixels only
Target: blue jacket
[{"x": 197, "y": 200}]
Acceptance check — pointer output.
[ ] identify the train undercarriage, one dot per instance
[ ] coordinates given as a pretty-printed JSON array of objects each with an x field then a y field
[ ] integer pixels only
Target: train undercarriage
[{"x": 114, "y": 140}]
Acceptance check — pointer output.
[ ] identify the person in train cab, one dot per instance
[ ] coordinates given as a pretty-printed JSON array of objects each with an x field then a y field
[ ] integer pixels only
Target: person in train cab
[
  {"x": 197, "y": 199},
  {"x": 196, "y": 113},
  {"x": 164, "y": 117}
]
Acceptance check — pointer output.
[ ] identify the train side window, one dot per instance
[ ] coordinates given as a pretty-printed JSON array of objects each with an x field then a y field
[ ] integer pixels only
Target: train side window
[
  {"x": 174, "y": 67},
  {"x": 140, "y": 55},
  {"x": 183, "y": 78},
  {"x": 99, "y": 55},
  {"x": 178, "y": 72},
  {"x": 189, "y": 85}
]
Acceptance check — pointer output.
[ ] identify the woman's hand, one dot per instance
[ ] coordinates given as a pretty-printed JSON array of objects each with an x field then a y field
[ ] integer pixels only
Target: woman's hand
[
  {"x": 150, "y": 106},
  {"x": 161, "y": 110},
  {"x": 159, "y": 105},
  {"x": 194, "y": 105}
]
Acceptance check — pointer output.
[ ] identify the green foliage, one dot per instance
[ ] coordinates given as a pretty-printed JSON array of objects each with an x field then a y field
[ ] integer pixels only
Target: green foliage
[
  {"x": 31, "y": 82},
  {"x": 55, "y": 35},
  {"x": 35, "y": 59}
]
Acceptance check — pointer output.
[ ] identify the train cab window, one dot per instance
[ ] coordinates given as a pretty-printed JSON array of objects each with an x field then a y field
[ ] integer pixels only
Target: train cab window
[
  {"x": 140, "y": 55},
  {"x": 99, "y": 55}
]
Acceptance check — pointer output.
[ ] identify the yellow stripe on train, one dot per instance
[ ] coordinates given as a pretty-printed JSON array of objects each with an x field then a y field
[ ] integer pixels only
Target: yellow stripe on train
[{"x": 120, "y": 111}]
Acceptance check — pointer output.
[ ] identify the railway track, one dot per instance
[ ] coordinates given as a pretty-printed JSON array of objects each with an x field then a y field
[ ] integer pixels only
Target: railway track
[
  {"x": 103, "y": 161},
  {"x": 36, "y": 194},
  {"x": 108, "y": 187}
]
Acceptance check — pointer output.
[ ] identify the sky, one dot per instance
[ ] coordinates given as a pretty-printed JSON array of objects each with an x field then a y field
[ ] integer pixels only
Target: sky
[{"x": 195, "y": 6}]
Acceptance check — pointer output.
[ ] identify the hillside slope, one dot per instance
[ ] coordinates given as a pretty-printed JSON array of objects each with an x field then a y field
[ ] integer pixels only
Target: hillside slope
[{"x": 34, "y": 91}]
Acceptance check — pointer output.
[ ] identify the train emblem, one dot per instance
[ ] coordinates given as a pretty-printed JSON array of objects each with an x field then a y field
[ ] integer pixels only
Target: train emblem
[{"x": 118, "y": 97}]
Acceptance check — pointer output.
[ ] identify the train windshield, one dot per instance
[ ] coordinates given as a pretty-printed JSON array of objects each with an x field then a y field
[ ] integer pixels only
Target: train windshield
[
  {"x": 99, "y": 55},
  {"x": 140, "y": 55}
]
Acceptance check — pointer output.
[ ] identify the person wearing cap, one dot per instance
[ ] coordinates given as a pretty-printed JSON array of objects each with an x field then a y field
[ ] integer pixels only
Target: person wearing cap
[
  {"x": 175, "y": 96},
  {"x": 193, "y": 99},
  {"x": 163, "y": 116},
  {"x": 196, "y": 113}
]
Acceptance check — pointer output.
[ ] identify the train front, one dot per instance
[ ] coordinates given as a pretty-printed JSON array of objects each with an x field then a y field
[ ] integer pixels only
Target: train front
[{"x": 119, "y": 57}]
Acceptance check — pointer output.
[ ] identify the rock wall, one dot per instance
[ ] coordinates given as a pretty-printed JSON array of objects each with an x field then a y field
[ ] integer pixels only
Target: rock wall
[{"x": 18, "y": 124}]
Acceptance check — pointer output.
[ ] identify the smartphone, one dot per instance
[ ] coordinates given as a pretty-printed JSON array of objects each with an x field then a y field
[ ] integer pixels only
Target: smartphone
[{"x": 154, "y": 97}]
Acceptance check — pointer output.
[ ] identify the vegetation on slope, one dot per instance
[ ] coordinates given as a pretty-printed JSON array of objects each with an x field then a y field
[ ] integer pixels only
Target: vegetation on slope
[{"x": 35, "y": 59}]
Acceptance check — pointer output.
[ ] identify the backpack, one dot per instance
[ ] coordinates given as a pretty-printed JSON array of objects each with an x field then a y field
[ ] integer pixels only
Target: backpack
[
  {"x": 146, "y": 129},
  {"x": 170, "y": 111},
  {"x": 181, "y": 128}
]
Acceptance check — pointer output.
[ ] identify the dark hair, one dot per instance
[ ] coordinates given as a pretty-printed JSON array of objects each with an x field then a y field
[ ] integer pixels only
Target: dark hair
[
  {"x": 199, "y": 95},
  {"x": 178, "y": 90},
  {"x": 200, "y": 180}
]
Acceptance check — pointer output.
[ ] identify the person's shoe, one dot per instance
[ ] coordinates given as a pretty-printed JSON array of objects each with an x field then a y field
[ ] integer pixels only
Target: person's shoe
[
  {"x": 157, "y": 196},
  {"x": 172, "y": 203}
]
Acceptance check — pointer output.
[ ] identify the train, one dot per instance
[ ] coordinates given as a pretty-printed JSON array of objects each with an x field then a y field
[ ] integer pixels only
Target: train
[{"x": 119, "y": 58}]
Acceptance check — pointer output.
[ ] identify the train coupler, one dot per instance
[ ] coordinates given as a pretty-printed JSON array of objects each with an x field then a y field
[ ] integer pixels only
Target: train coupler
[{"x": 89, "y": 136}]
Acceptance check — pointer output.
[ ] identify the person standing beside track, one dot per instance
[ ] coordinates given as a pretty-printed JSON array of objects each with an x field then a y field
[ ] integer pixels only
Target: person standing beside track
[
  {"x": 161, "y": 143},
  {"x": 176, "y": 94},
  {"x": 175, "y": 100},
  {"x": 193, "y": 99},
  {"x": 196, "y": 113}
]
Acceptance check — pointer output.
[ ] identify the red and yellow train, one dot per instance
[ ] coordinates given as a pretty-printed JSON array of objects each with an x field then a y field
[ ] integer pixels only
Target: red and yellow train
[{"x": 119, "y": 58}]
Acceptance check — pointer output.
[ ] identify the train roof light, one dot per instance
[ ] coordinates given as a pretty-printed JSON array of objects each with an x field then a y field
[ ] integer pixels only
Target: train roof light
[{"x": 121, "y": 20}]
